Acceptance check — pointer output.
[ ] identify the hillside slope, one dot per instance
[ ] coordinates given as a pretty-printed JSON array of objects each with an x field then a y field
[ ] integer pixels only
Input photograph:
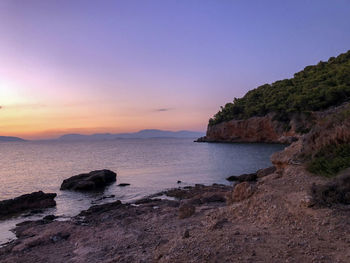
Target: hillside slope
[{"x": 285, "y": 109}]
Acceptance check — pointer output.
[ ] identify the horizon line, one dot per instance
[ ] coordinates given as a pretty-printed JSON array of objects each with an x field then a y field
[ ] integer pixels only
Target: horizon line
[{"x": 57, "y": 136}]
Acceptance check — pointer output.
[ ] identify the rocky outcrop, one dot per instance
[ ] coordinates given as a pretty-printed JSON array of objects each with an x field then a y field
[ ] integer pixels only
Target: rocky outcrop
[
  {"x": 89, "y": 181},
  {"x": 331, "y": 127},
  {"x": 288, "y": 156},
  {"x": 35, "y": 200},
  {"x": 258, "y": 129}
]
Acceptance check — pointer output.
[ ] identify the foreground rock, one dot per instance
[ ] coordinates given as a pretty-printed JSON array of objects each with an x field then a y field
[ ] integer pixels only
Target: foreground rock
[
  {"x": 35, "y": 200},
  {"x": 89, "y": 181}
]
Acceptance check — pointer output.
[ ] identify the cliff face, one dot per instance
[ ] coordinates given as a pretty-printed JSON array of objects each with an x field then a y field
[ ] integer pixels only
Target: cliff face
[{"x": 257, "y": 129}]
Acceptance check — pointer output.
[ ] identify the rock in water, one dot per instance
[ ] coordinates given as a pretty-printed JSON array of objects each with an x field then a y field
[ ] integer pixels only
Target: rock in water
[
  {"x": 35, "y": 200},
  {"x": 89, "y": 181}
]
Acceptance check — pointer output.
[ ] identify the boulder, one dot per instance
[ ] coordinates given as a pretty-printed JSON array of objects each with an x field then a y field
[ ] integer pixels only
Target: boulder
[
  {"x": 243, "y": 178},
  {"x": 35, "y": 200},
  {"x": 89, "y": 181}
]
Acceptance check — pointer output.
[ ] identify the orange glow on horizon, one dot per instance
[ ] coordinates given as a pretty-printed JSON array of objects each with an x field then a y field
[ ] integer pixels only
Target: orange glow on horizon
[
  {"x": 32, "y": 120},
  {"x": 30, "y": 111}
]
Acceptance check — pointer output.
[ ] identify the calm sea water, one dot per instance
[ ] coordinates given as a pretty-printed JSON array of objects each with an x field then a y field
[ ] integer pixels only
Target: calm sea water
[{"x": 149, "y": 165}]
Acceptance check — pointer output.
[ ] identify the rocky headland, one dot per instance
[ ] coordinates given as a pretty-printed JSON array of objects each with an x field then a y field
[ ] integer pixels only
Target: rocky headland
[{"x": 285, "y": 110}]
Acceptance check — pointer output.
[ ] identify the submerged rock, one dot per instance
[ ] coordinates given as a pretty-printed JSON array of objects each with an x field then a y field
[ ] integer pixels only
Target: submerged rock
[
  {"x": 89, "y": 181},
  {"x": 35, "y": 200}
]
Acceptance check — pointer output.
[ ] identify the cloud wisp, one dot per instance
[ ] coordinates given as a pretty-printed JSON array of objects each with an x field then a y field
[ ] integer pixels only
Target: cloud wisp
[{"x": 162, "y": 109}]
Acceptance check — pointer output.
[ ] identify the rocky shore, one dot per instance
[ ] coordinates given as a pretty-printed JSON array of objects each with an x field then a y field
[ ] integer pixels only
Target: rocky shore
[{"x": 272, "y": 219}]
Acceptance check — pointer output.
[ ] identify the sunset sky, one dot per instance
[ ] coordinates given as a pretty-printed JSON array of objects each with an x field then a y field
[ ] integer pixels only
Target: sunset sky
[{"x": 120, "y": 66}]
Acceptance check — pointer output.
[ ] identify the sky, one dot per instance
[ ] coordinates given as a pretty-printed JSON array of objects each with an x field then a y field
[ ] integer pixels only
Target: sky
[{"x": 121, "y": 66}]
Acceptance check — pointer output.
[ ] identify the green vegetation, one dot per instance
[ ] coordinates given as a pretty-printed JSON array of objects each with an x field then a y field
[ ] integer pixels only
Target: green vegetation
[
  {"x": 314, "y": 88},
  {"x": 330, "y": 160}
]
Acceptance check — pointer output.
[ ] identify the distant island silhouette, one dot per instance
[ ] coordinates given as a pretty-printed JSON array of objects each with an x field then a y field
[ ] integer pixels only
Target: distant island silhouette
[
  {"x": 143, "y": 134},
  {"x": 11, "y": 139}
]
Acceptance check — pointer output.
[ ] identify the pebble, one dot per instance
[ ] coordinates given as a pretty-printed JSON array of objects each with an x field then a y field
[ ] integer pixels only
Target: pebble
[{"x": 186, "y": 234}]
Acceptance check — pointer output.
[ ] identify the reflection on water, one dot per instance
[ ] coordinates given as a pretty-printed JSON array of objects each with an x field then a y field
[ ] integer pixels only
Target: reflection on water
[{"x": 149, "y": 165}]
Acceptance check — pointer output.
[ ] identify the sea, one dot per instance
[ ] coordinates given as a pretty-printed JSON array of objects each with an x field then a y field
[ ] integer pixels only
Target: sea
[{"x": 148, "y": 165}]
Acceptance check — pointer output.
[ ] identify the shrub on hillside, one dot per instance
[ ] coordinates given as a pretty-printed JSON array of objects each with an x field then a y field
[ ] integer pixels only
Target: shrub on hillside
[{"x": 330, "y": 160}]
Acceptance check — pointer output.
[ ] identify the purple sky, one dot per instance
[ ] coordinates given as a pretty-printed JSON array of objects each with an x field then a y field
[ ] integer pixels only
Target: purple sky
[{"x": 115, "y": 66}]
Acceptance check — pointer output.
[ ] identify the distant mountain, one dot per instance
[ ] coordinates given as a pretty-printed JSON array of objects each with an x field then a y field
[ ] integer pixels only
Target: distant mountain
[
  {"x": 10, "y": 139},
  {"x": 143, "y": 134}
]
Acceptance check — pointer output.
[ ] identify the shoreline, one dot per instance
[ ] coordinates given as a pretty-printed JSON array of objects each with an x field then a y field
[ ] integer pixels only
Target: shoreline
[
  {"x": 162, "y": 195},
  {"x": 269, "y": 222}
]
